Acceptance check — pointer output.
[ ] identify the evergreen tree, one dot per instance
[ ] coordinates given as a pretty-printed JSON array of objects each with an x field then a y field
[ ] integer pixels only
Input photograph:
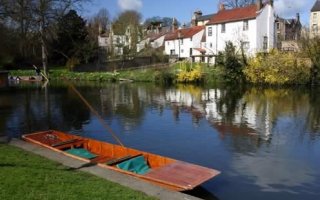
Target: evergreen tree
[{"x": 71, "y": 37}]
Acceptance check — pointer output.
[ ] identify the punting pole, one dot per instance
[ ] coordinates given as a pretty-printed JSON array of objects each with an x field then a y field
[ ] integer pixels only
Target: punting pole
[{"x": 105, "y": 125}]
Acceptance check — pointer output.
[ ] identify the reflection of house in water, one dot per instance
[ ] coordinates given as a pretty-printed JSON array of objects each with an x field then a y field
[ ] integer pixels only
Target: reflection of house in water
[
  {"x": 243, "y": 117},
  {"x": 246, "y": 116}
]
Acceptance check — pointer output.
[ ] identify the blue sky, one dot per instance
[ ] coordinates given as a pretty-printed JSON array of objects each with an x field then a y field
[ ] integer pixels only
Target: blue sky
[{"x": 183, "y": 9}]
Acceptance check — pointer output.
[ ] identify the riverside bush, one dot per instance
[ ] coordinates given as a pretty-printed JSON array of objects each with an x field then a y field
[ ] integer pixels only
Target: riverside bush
[
  {"x": 189, "y": 73},
  {"x": 277, "y": 68}
]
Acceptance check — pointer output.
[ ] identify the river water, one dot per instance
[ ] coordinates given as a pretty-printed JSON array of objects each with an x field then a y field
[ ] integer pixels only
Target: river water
[{"x": 265, "y": 141}]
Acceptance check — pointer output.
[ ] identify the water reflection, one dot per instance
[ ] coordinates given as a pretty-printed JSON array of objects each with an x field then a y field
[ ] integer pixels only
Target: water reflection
[{"x": 262, "y": 139}]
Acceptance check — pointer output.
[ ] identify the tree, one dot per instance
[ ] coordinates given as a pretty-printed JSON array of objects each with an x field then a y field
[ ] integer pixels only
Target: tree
[
  {"x": 128, "y": 22},
  {"x": 99, "y": 23},
  {"x": 71, "y": 37},
  {"x": 311, "y": 49},
  {"x": 166, "y": 21},
  {"x": 237, "y": 3},
  {"x": 46, "y": 12},
  {"x": 232, "y": 63},
  {"x": 34, "y": 20}
]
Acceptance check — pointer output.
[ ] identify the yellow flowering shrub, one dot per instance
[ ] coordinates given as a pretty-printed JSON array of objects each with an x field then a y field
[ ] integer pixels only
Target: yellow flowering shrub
[
  {"x": 189, "y": 74},
  {"x": 277, "y": 68}
]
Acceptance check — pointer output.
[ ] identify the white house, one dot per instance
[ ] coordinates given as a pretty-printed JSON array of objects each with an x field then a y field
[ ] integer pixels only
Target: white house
[
  {"x": 251, "y": 26},
  {"x": 184, "y": 43},
  {"x": 315, "y": 20},
  {"x": 154, "y": 40}
]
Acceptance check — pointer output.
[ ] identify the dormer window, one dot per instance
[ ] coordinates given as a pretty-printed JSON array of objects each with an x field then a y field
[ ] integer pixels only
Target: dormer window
[{"x": 245, "y": 25}]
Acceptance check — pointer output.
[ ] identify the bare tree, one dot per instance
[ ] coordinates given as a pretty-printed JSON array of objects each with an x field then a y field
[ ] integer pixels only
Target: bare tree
[
  {"x": 35, "y": 18},
  {"x": 237, "y": 3},
  {"x": 46, "y": 12}
]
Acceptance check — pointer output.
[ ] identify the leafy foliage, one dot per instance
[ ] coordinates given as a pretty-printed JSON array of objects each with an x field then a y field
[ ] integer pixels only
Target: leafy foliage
[
  {"x": 311, "y": 49},
  {"x": 277, "y": 68},
  {"x": 231, "y": 61},
  {"x": 189, "y": 73},
  {"x": 71, "y": 37}
]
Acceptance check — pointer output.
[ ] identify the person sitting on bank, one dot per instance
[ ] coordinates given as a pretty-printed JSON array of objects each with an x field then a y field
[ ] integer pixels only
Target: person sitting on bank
[{"x": 38, "y": 71}]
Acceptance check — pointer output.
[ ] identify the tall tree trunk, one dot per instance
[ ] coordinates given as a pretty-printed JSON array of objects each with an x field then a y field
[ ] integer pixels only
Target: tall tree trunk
[{"x": 43, "y": 48}]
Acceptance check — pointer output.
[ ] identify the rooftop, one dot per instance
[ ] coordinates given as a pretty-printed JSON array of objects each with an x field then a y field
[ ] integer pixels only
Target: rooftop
[
  {"x": 184, "y": 33},
  {"x": 237, "y": 14},
  {"x": 316, "y": 6}
]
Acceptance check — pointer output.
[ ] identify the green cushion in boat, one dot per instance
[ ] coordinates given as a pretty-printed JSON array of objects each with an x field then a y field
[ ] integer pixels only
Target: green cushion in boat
[
  {"x": 83, "y": 153},
  {"x": 136, "y": 165}
]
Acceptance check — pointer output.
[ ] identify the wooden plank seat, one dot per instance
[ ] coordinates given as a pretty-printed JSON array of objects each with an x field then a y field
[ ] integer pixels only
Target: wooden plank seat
[
  {"x": 69, "y": 144},
  {"x": 102, "y": 159},
  {"x": 122, "y": 159}
]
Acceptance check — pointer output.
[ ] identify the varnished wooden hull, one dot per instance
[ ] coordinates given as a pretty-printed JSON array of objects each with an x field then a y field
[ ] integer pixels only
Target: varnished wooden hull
[{"x": 166, "y": 172}]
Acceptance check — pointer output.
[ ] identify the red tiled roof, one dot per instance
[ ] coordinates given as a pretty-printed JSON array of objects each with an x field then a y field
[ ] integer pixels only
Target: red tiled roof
[
  {"x": 237, "y": 14},
  {"x": 184, "y": 33}
]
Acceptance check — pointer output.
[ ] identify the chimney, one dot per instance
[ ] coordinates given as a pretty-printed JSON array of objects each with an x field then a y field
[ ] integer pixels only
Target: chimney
[
  {"x": 298, "y": 17},
  {"x": 196, "y": 15},
  {"x": 174, "y": 24},
  {"x": 271, "y": 3},
  {"x": 259, "y": 4},
  {"x": 221, "y": 7}
]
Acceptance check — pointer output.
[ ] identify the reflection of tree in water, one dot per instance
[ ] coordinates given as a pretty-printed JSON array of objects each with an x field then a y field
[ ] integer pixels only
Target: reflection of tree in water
[
  {"x": 6, "y": 108},
  {"x": 229, "y": 100},
  {"x": 313, "y": 117},
  {"x": 123, "y": 100},
  {"x": 74, "y": 111}
]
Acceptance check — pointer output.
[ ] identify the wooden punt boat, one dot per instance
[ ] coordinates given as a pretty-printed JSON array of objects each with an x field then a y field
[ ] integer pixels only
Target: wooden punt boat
[
  {"x": 166, "y": 172},
  {"x": 28, "y": 78}
]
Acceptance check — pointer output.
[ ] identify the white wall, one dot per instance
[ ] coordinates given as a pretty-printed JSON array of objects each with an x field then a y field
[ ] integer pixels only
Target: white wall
[
  {"x": 158, "y": 42},
  {"x": 266, "y": 27},
  {"x": 233, "y": 32},
  {"x": 262, "y": 26},
  {"x": 185, "y": 46}
]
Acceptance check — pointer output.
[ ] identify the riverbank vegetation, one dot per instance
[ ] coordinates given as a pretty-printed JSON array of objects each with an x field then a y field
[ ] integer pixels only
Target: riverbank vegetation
[{"x": 27, "y": 176}]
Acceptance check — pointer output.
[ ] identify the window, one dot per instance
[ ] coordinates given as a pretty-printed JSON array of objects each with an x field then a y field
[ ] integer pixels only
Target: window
[
  {"x": 223, "y": 28},
  {"x": 265, "y": 43},
  {"x": 182, "y": 51},
  {"x": 245, "y": 25},
  {"x": 314, "y": 28},
  {"x": 172, "y": 52},
  {"x": 278, "y": 26},
  {"x": 181, "y": 41},
  {"x": 210, "y": 31},
  {"x": 245, "y": 46},
  {"x": 314, "y": 17},
  {"x": 191, "y": 52},
  {"x": 210, "y": 45}
]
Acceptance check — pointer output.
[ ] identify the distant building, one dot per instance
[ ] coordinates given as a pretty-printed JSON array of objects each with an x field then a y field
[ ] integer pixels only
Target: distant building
[
  {"x": 200, "y": 20},
  {"x": 184, "y": 43},
  {"x": 288, "y": 32},
  {"x": 155, "y": 34},
  {"x": 315, "y": 20},
  {"x": 115, "y": 43}
]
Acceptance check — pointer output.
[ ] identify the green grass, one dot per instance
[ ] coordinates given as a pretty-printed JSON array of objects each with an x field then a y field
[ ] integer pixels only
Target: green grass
[
  {"x": 211, "y": 74},
  {"x": 27, "y": 176}
]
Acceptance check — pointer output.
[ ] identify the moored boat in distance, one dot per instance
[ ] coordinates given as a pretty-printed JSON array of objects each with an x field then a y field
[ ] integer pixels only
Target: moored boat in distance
[{"x": 163, "y": 171}]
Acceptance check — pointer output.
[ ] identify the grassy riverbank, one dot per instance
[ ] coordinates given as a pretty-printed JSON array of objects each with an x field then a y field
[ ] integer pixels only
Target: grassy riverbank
[
  {"x": 170, "y": 74},
  {"x": 27, "y": 176}
]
